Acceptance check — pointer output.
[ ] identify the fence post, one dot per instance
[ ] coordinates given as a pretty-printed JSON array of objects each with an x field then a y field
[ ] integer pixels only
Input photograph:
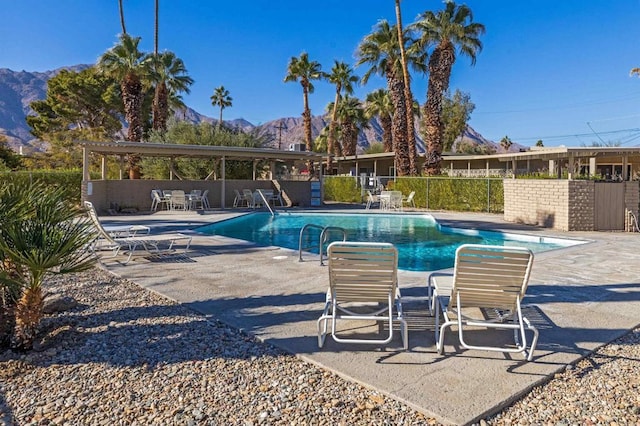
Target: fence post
[
  {"x": 427, "y": 193},
  {"x": 488, "y": 195}
]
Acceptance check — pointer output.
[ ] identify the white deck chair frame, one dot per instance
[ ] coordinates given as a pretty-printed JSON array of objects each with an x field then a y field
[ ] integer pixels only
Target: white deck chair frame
[
  {"x": 363, "y": 273},
  {"x": 408, "y": 201},
  {"x": 490, "y": 277},
  {"x": 150, "y": 244}
]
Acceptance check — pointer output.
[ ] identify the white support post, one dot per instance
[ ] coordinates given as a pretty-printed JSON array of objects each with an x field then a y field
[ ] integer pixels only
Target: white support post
[
  {"x": 592, "y": 166},
  {"x": 223, "y": 174},
  {"x": 85, "y": 164},
  {"x": 103, "y": 168}
]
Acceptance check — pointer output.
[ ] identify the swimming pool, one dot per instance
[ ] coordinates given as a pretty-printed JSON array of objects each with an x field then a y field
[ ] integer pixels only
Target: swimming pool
[{"x": 422, "y": 243}]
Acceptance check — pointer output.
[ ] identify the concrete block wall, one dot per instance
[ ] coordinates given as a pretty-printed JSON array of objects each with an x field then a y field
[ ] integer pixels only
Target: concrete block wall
[
  {"x": 566, "y": 205},
  {"x": 581, "y": 205},
  {"x": 632, "y": 205},
  {"x": 541, "y": 202}
]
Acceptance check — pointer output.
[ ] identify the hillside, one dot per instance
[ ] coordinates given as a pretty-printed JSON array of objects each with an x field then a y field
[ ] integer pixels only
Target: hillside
[{"x": 19, "y": 88}]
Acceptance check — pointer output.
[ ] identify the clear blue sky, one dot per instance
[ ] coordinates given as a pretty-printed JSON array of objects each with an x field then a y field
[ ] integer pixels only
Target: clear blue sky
[{"x": 549, "y": 69}]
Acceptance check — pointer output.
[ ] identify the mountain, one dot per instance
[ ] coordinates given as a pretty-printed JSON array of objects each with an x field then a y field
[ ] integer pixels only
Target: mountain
[{"x": 19, "y": 88}]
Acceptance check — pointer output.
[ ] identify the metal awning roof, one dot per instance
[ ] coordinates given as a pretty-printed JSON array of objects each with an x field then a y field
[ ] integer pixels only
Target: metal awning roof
[
  {"x": 533, "y": 153},
  {"x": 197, "y": 151}
]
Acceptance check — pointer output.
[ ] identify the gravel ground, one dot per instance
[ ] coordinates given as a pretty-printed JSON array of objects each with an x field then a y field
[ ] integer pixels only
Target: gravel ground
[{"x": 127, "y": 356}]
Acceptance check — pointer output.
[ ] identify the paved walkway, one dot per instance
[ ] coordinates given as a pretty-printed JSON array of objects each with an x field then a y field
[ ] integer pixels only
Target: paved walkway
[{"x": 579, "y": 297}]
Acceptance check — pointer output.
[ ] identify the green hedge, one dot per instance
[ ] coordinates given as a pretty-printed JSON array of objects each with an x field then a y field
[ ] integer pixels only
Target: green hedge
[
  {"x": 343, "y": 189},
  {"x": 441, "y": 193},
  {"x": 70, "y": 180}
]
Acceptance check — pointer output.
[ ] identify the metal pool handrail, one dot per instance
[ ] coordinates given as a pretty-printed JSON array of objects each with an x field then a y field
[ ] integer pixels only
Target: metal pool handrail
[
  {"x": 266, "y": 202},
  {"x": 324, "y": 233}
]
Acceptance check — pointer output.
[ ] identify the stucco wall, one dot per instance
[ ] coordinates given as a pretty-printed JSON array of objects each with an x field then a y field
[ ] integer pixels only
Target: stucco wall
[{"x": 136, "y": 194}]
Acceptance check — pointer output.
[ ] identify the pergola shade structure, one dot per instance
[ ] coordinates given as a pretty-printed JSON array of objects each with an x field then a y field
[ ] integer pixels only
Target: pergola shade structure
[{"x": 121, "y": 149}]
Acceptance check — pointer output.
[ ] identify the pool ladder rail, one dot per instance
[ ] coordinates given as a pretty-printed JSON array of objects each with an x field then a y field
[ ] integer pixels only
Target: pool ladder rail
[
  {"x": 324, "y": 237},
  {"x": 265, "y": 201}
]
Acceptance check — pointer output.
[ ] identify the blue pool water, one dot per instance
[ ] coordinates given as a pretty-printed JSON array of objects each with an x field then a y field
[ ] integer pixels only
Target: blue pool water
[{"x": 423, "y": 244}]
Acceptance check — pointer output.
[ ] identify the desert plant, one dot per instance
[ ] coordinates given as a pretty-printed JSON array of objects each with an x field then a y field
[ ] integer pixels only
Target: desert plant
[{"x": 41, "y": 234}]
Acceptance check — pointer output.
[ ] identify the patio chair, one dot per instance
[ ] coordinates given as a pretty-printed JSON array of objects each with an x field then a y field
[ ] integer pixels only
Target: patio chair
[
  {"x": 395, "y": 200},
  {"x": 248, "y": 197},
  {"x": 408, "y": 201},
  {"x": 195, "y": 199},
  {"x": 158, "y": 200},
  {"x": 205, "y": 199},
  {"x": 371, "y": 200},
  {"x": 179, "y": 200},
  {"x": 363, "y": 286},
  {"x": 489, "y": 281},
  {"x": 239, "y": 200},
  {"x": 149, "y": 244}
]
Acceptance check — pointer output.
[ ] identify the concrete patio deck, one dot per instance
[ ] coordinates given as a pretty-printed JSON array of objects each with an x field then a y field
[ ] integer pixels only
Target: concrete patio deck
[{"x": 579, "y": 298}]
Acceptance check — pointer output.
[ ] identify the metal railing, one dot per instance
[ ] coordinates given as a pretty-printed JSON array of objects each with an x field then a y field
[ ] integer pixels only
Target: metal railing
[
  {"x": 266, "y": 202},
  {"x": 323, "y": 238}
]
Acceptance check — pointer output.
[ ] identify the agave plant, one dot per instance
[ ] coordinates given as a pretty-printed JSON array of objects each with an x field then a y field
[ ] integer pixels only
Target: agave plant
[{"x": 41, "y": 234}]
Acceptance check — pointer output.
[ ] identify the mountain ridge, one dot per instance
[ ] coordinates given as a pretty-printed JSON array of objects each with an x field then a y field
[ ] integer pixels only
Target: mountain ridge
[{"x": 19, "y": 88}]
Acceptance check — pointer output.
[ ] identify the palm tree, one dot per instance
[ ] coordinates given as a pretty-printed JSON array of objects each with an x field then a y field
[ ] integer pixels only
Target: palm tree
[
  {"x": 170, "y": 77},
  {"x": 411, "y": 135},
  {"x": 127, "y": 64},
  {"x": 450, "y": 29},
  {"x": 381, "y": 50},
  {"x": 41, "y": 234},
  {"x": 124, "y": 29},
  {"x": 352, "y": 118},
  {"x": 305, "y": 71},
  {"x": 378, "y": 103},
  {"x": 506, "y": 143},
  {"x": 222, "y": 99},
  {"x": 342, "y": 77}
]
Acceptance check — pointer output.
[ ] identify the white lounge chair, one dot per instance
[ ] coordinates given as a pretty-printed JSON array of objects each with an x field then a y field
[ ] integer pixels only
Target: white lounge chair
[
  {"x": 408, "y": 201},
  {"x": 489, "y": 281},
  {"x": 149, "y": 244},
  {"x": 362, "y": 276}
]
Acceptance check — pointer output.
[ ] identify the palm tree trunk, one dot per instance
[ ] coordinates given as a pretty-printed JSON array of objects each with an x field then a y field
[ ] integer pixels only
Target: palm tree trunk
[
  {"x": 349, "y": 148},
  {"x": 132, "y": 99},
  {"x": 220, "y": 118},
  {"x": 332, "y": 129},
  {"x": 160, "y": 107},
  {"x": 387, "y": 140},
  {"x": 411, "y": 136},
  {"x": 124, "y": 29},
  {"x": 440, "y": 65},
  {"x": 155, "y": 31},
  {"x": 399, "y": 125},
  {"x": 306, "y": 119},
  {"x": 28, "y": 314}
]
